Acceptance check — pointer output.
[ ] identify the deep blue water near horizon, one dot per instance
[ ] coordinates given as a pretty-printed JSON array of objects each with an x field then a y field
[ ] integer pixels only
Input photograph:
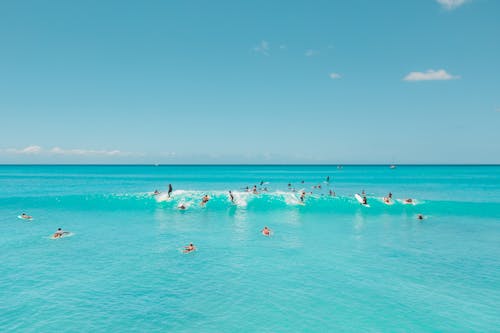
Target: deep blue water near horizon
[{"x": 330, "y": 265}]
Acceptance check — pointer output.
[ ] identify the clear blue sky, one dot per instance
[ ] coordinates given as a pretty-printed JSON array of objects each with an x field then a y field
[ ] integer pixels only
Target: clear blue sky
[{"x": 356, "y": 81}]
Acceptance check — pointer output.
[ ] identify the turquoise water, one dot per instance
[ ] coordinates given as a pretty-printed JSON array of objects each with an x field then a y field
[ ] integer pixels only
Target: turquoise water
[{"x": 331, "y": 264}]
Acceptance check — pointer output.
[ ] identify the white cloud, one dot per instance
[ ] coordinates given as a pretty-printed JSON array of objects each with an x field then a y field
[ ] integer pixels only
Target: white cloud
[
  {"x": 87, "y": 152},
  {"x": 335, "y": 76},
  {"x": 263, "y": 48},
  {"x": 25, "y": 151},
  {"x": 451, "y": 4},
  {"x": 32, "y": 150},
  {"x": 430, "y": 75},
  {"x": 311, "y": 53}
]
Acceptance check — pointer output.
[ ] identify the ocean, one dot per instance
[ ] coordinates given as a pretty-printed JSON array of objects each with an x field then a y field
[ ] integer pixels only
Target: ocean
[{"x": 330, "y": 264}]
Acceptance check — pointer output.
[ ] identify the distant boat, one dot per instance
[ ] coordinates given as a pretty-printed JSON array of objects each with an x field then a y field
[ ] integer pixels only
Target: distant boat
[{"x": 392, "y": 166}]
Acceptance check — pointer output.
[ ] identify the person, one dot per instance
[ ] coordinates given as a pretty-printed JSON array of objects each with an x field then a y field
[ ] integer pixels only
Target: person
[
  {"x": 332, "y": 194},
  {"x": 408, "y": 201},
  {"x": 156, "y": 192},
  {"x": 231, "y": 196},
  {"x": 387, "y": 200},
  {"x": 327, "y": 179},
  {"x": 182, "y": 206},
  {"x": 389, "y": 195},
  {"x": 26, "y": 216},
  {"x": 261, "y": 182},
  {"x": 205, "y": 199},
  {"x": 189, "y": 248},
  {"x": 266, "y": 231},
  {"x": 420, "y": 217},
  {"x": 169, "y": 190},
  {"x": 302, "y": 196},
  {"x": 59, "y": 233},
  {"x": 363, "y": 193},
  {"x": 254, "y": 191},
  {"x": 289, "y": 185},
  {"x": 364, "y": 200}
]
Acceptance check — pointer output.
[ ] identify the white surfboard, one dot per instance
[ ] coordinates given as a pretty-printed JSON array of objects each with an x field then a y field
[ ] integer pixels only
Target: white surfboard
[
  {"x": 26, "y": 219},
  {"x": 360, "y": 200}
]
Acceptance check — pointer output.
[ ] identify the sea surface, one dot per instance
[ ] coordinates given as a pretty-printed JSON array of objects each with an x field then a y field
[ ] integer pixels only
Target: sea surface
[{"x": 330, "y": 265}]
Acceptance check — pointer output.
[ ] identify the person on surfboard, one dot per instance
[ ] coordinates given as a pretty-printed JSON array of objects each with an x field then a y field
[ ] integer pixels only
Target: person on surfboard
[
  {"x": 169, "y": 190},
  {"x": 189, "y": 248}
]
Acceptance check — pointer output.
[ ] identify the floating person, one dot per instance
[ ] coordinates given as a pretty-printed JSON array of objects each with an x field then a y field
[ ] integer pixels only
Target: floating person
[
  {"x": 156, "y": 192},
  {"x": 254, "y": 190},
  {"x": 408, "y": 201},
  {"x": 59, "y": 233},
  {"x": 231, "y": 196},
  {"x": 26, "y": 216},
  {"x": 204, "y": 200},
  {"x": 289, "y": 185},
  {"x": 189, "y": 248},
  {"x": 420, "y": 217},
  {"x": 266, "y": 231},
  {"x": 169, "y": 190}
]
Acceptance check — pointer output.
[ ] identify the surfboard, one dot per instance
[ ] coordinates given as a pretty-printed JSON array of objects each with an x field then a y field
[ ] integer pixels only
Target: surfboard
[
  {"x": 360, "y": 200},
  {"x": 22, "y": 218},
  {"x": 64, "y": 235}
]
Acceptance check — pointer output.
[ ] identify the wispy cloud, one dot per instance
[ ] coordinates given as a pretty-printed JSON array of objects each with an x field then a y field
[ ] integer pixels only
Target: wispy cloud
[
  {"x": 263, "y": 48},
  {"x": 87, "y": 152},
  {"x": 32, "y": 150},
  {"x": 335, "y": 76},
  {"x": 451, "y": 4},
  {"x": 311, "y": 53},
  {"x": 430, "y": 75}
]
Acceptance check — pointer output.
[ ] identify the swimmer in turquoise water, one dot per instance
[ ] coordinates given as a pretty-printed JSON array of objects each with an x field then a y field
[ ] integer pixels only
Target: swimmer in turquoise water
[
  {"x": 189, "y": 248},
  {"x": 204, "y": 200},
  {"x": 59, "y": 233},
  {"x": 26, "y": 216},
  {"x": 266, "y": 231}
]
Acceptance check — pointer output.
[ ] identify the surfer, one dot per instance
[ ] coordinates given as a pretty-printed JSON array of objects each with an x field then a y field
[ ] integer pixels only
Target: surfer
[
  {"x": 189, "y": 248},
  {"x": 254, "y": 191},
  {"x": 389, "y": 195},
  {"x": 365, "y": 202},
  {"x": 266, "y": 231},
  {"x": 156, "y": 192},
  {"x": 26, "y": 216},
  {"x": 169, "y": 189},
  {"x": 302, "y": 196},
  {"x": 182, "y": 206},
  {"x": 408, "y": 201},
  {"x": 204, "y": 200},
  {"x": 59, "y": 233},
  {"x": 231, "y": 196}
]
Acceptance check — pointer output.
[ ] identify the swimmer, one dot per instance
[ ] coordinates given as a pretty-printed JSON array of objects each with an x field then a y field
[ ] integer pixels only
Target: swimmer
[
  {"x": 189, "y": 248},
  {"x": 266, "y": 231},
  {"x": 231, "y": 196},
  {"x": 420, "y": 217},
  {"x": 302, "y": 196},
  {"x": 205, "y": 200},
  {"x": 169, "y": 190},
  {"x": 254, "y": 191},
  {"x": 182, "y": 206},
  {"x": 26, "y": 216},
  {"x": 408, "y": 201},
  {"x": 289, "y": 185},
  {"x": 59, "y": 233},
  {"x": 156, "y": 192}
]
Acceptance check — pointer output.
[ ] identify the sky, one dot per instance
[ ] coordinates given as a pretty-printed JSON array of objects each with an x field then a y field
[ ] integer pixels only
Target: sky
[{"x": 250, "y": 82}]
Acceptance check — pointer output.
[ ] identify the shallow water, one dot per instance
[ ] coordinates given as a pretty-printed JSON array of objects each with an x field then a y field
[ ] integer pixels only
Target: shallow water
[{"x": 330, "y": 265}]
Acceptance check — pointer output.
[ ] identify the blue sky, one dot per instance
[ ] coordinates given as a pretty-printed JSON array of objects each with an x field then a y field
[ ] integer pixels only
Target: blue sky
[{"x": 356, "y": 81}]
